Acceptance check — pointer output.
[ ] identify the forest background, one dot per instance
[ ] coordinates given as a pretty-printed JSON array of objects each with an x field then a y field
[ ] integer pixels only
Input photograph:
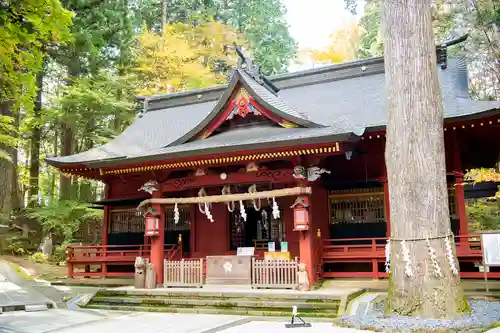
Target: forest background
[{"x": 70, "y": 71}]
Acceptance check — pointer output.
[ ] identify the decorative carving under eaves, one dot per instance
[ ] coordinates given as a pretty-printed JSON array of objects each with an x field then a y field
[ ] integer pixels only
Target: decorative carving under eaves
[
  {"x": 311, "y": 174},
  {"x": 149, "y": 186},
  {"x": 252, "y": 167},
  {"x": 299, "y": 172},
  {"x": 200, "y": 172},
  {"x": 314, "y": 173},
  {"x": 242, "y": 105}
]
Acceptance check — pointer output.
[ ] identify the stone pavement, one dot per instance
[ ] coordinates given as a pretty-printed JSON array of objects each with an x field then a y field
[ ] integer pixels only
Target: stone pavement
[
  {"x": 69, "y": 321},
  {"x": 16, "y": 293},
  {"x": 279, "y": 327}
]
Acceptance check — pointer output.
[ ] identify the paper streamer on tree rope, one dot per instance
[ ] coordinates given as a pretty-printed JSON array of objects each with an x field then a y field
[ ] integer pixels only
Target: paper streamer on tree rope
[
  {"x": 449, "y": 255},
  {"x": 388, "y": 255},
  {"x": 435, "y": 264},
  {"x": 406, "y": 258},
  {"x": 226, "y": 190}
]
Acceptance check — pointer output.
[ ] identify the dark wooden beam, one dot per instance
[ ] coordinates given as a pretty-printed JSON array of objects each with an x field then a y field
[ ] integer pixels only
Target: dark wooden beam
[{"x": 263, "y": 176}]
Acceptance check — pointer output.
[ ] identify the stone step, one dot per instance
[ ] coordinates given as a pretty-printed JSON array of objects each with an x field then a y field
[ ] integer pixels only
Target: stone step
[
  {"x": 330, "y": 306},
  {"x": 249, "y": 295},
  {"x": 208, "y": 310}
]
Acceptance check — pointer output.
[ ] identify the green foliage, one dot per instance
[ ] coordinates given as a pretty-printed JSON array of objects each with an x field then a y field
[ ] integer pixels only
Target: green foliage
[
  {"x": 482, "y": 175},
  {"x": 93, "y": 101},
  {"x": 371, "y": 42},
  {"x": 263, "y": 23},
  {"x": 59, "y": 254},
  {"x": 64, "y": 217},
  {"x": 6, "y": 138},
  {"x": 29, "y": 27},
  {"x": 484, "y": 214},
  {"x": 16, "y": 247},
  {"x": 184, "y": 56},
  {"x": 38, "y": 257}
]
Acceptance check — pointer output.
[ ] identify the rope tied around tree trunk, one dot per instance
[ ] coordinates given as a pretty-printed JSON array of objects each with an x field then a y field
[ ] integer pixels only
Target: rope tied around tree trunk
[
  {"x": 421, "y": 239},
  {"x": 432, "y": 254}
]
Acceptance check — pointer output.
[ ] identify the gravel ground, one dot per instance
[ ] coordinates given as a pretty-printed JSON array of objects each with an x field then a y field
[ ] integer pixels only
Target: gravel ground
[{"x": 483, "y": 314}]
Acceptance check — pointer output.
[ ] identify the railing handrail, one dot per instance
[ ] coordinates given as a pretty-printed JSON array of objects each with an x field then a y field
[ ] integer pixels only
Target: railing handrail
[
  {"x": 76, "y": 247},
  {"x": 370, "y": 239}
]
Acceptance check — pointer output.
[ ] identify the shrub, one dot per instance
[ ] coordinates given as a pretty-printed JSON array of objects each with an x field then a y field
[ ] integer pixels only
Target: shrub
[
  {"x": 38, "y": 257},
  {"x": 59, "y": 254}
]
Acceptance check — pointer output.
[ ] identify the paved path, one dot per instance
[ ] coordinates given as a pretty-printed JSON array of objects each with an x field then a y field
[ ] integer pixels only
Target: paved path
[
  {"x": 16, "y": 292},
  {"x": 70, "y": 321}
]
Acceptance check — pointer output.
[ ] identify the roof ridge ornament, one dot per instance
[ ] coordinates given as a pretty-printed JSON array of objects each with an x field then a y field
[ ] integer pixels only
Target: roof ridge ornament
[
  {"x": 253, "y": 70},
  {"x": 441, "y": 49}
]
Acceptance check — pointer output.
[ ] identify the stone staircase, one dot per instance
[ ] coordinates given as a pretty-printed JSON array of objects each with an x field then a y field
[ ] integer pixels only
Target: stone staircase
[{"x": 243, "y": 303}]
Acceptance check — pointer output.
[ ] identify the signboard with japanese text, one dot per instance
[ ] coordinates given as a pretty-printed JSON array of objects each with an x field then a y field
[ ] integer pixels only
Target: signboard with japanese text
[
  {"x": 491, "y": 249},
  {"x": 245, "y": 251}
]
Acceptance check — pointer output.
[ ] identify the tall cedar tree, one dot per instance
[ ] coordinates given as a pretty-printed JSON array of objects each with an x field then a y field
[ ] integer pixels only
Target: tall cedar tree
[{"x": 416, "y": 168}]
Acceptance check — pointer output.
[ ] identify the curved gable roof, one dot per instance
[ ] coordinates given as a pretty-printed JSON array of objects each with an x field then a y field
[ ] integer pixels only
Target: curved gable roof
[{"x": 261, "y": 94}]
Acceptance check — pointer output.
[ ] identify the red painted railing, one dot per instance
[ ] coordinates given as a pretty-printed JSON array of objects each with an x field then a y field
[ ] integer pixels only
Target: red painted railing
[
  {"x": 105, "y": 255},
  {"x": 372, "y": 251}
]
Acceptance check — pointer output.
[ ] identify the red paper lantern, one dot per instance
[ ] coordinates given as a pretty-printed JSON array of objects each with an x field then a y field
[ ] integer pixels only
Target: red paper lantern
[
  {"x": 152, "y": 225},
  {"x": 300, "y": 218}
]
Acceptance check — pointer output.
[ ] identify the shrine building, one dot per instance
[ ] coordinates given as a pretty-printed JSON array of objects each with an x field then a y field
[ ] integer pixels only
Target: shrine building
[{"x": 291, "y": 164}]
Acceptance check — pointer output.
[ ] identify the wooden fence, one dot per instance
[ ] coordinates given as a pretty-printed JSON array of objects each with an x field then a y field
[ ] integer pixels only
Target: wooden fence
[
  {"x": 275, "y": 273},
  {"x": 183, "y": 273}
]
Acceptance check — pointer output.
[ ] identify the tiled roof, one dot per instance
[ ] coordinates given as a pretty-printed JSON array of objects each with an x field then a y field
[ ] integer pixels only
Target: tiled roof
[
  {"x": 254, "y": 137},
  {"x": 348, "y": 96}
]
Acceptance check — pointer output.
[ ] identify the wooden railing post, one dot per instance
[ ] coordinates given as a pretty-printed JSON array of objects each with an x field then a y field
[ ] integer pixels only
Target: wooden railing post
[
  {"x": 69, "y": 263},
  {"x": 180, "y": 246},
  {"x": 374, "y": 259}
]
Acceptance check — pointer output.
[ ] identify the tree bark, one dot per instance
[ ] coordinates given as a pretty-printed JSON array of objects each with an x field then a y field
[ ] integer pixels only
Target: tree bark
[
  {"x": 416, "y": 168},
  {"x": 36, "y": 133},
  {"x": 67, "y": 133},
  {"x": 15, "y": 197},
  {"x": 164, "y": 15},
  {"x": 6, "y": 168}
]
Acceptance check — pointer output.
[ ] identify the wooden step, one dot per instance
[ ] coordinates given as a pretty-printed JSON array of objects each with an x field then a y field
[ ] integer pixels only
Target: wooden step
[
  {"x": 207, "y": 310},
  {"x": 219, "y": 303}
]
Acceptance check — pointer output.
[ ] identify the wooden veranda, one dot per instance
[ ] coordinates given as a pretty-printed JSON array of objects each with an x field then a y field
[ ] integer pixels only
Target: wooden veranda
[{"x": 369, "y": 253}]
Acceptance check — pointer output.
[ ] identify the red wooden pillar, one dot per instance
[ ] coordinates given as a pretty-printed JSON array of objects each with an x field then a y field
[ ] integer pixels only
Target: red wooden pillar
[
  {"x": 306, "y": 246},
  {"x": 463, "y": 228},
  {"x": 192, "y": 231},
  {"x": 105, "y": 228},
  {"x": 462, "y": 212},
  {"x": 105, "y": 225},
  {"x": 158, "y": 242}
]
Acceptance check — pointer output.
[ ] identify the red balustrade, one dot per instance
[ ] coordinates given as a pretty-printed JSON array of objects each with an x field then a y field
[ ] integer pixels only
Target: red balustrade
[
  {"x": 105, "y": 255},
  {"x": 372, "y": 251}
]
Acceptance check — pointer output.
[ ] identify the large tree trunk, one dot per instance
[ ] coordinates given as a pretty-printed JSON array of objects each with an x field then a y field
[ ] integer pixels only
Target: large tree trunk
[
  {"x": 36, "y": 133},
  {"x": 416, "y": 167},
  {"x": 66, "y": 149},
  {"x": 6, "y": 168},
  {"x": 67, "y": 133},
  {"x": 15, "y": 196}
]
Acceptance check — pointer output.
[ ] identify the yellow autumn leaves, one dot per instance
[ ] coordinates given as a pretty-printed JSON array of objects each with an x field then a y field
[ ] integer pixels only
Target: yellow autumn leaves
[
  {"x": 344, "y": 45},
  {"x": 185, "y": 56}
]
